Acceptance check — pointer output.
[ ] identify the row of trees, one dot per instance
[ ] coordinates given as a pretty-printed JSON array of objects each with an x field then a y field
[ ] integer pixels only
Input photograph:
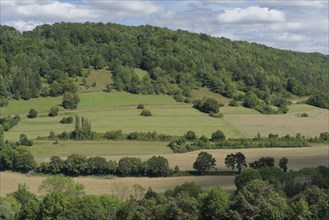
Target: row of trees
[
  {"x": 266, "y": 193},
  {"x": 75, "y": 165},
  {"x": 191, "y": 142}
]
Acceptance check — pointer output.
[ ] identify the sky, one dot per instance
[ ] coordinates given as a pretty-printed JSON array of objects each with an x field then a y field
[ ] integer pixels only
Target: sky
[{"x": 299, "y": 25}]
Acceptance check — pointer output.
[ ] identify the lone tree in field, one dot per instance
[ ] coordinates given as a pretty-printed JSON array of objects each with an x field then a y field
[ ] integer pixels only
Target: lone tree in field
[
  {"x": 236, "y": 161},
  {"x": 283, "y": 164},
  {"x": 53, "y": 111},
  {"x": 204, "y": 162}
]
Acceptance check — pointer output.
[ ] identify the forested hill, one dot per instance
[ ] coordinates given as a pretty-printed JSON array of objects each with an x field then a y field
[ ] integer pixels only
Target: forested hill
[{"x": 44, "y": 61}]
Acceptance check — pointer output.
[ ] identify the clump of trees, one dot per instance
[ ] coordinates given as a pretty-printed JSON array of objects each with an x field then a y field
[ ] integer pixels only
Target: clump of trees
[
  {"x": 208, "y": 105},
  {"x": 70, "y": 100},
  {"x": 9, "y": 122},
  {"x": 82, "y": 129},
  {"x": 32, "y": 113},
  {"x": 236, "y": 161}
]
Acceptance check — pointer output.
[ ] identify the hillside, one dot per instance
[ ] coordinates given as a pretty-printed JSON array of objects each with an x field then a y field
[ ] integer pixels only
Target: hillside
[{"x": 45, "y": 61}]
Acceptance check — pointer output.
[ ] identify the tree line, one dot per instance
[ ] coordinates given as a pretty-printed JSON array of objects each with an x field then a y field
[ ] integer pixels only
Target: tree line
[
  {"x": 177, "y": 62},
  {"x": 191, "y": 142}
]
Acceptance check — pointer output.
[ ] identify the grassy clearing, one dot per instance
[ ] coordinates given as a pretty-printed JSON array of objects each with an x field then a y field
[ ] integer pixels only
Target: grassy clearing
[
  {"x": 22, "y": 107},
  {"x": 141, "y": 73},
  {"x": 302, "y": 108},
  {"x": 116, "y": 186},
  {"x": 102, "y": 100},
  {"x": 205, "y": 93},
  {"x": 101, "y": 77}
]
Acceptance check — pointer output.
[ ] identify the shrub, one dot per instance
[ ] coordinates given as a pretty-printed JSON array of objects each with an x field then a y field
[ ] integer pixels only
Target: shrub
[
  {"x": 23, "y": 140},
  {"x": 140, "y": 106},
  {"x": 233, "y": 103},
  {"x": 216, "y": 115},
  {"x": 190, "y": 135},
  {"x": 113, "y": 135},
  {"x": 146, "y": 112},
  {"x": 32, "y": 113},
  {"x": 218, "y": 136},
  {"x": 53, "y": 111},
  {"x": 68, "y": 120},
  {"x": 207, "y": 106},
  {"x": 304, "y": 115}
]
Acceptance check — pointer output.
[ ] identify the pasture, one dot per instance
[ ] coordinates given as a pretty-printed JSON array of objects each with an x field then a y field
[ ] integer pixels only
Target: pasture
[{"x": 117, "y": 110}]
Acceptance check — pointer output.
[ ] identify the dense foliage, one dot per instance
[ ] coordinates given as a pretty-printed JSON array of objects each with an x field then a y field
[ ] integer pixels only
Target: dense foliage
[
  {"x": 267, "y": 193},
  {"x": 177, "y": 61}
]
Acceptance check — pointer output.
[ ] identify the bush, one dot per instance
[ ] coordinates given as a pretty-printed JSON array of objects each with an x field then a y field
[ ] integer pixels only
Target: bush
[
  {"x": 233, "y": 103},
  {"x": 68, "y": 120},
  {"x": 216, "y": 115},
  {"x": 53, "y": 111},
  {"x": 140, "y": 106},
  {"x": 304, "y": 115},
  {"x": 190, "y": 135},
  {"x": 23, "y": 140},
  {"x": 146, "y": 113},
  {"x": 218, "y": 136},
  {"x": 113, "y": 135},
  {"x": 207, "y": 106},
  {"x": 32, "y": 113}
]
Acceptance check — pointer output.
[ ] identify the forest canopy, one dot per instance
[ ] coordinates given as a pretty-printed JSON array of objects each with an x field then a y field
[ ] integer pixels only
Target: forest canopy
[{"x": 44, "y": 62}]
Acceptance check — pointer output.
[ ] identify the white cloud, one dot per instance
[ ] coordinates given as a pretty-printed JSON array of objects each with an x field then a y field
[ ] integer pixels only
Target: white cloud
[
  {"x": 293, "y": 4},
  {"x": 251, "y": 15}
]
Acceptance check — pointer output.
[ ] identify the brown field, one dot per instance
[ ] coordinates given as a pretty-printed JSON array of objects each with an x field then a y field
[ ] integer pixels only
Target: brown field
[
  {"x": 118, "y": 186},
  {"x": 290, "y": 123},
  {"x": 298, "y": 157}
]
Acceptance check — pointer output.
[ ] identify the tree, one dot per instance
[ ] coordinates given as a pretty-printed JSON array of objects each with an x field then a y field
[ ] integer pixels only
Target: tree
[
  {"x": 157, "y": 166},
  {"x": 258, "y": 200},
  {"x": 190, "y": 188},
  {"x": 70, "y": 100},
  {"x": 130, "y": 166},
  {"x": 250, "y": 100},
  {"x": 204, "y": 162},
  {"x": 262, "y": 162},
  {"x": 53, "y": 111},
  {"x": 23, "y": 140},
  {"x": 213, "y": 204},
  {"x": 190, "y": 136},
  {"x": 53, "y": 205},
  {"x": 75, "y": 165},
  {"x": 218, "y": 136},
  {"x": 245, "y": 177},
  {"x": 32, "y": 113},
  {"x": 29, "y": 203},
  {"x": 237, "y": 160},
  {"x": 283, "y": 164},
  {"x": 24, "y": 160}
]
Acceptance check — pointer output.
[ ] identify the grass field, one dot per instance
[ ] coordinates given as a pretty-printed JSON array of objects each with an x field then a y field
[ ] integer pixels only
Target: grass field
[
  {"x": 117, "y": 110},
  {"x": 117, "y": 186},
  {"x": 101, "y": 77}
]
